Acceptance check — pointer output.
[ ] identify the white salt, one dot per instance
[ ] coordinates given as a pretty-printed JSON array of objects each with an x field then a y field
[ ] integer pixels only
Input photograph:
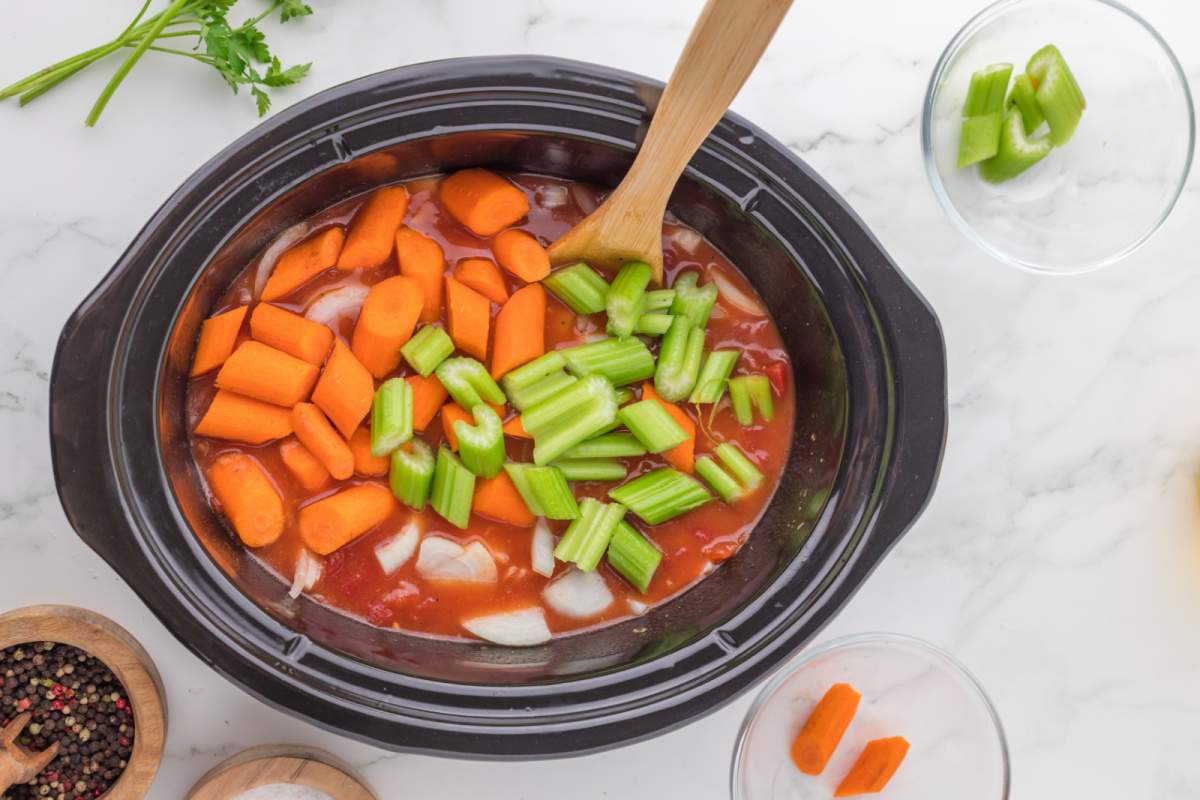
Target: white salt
[{"x": 283, "y": 791}]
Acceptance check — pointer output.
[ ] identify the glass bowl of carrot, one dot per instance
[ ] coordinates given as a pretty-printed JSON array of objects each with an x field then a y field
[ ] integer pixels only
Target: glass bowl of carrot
[{"x": 874, "y": 714}]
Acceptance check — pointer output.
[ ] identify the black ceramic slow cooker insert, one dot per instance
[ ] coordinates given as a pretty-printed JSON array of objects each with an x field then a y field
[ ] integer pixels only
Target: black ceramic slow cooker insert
[{"x": 868, "y": 364}]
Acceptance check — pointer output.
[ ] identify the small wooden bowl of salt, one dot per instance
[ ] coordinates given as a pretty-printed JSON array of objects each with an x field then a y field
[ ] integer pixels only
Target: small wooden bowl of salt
[{"x": 281, "y": 772}]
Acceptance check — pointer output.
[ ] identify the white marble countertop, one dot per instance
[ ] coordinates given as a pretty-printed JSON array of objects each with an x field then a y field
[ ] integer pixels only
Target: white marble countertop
[{"x": 1060, "y": 557}]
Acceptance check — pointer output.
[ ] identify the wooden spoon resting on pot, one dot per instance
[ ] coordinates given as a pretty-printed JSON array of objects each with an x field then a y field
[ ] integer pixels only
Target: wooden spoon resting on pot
[
  {"x": 720, "y": 53},
  {"x": 18, "y": 765}
]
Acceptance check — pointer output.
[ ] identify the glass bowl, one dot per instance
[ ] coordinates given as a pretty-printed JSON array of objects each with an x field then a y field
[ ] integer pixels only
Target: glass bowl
[
  {"x": 1096, "y": 199},
  {"x": 909, "y": 688}
]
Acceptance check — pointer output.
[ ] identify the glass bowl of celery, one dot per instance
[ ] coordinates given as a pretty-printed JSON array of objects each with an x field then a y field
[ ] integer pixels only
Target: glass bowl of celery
[{"x": 1058, "y": 134}]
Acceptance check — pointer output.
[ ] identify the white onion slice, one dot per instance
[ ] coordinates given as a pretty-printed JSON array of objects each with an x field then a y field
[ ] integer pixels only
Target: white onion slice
[
  {"x": 685, "y": 239},
  {"x": 637, "y": 606},
  {"x": 553, "y": 196},
  {"x": 542, "y": 557},
  {"x": 578, "y": 594},
  {"x": 341, "y": 303},
  {"x": 396, "y": 551},
  {"x": 270, "y": 256},
  {"x": 736, "y": 297},
  {"x": 584, "y": 198},
  {"x": 441, "y": 559},
  {"x": 512, "y": 628},
  {"x": 306, "y": 575}
]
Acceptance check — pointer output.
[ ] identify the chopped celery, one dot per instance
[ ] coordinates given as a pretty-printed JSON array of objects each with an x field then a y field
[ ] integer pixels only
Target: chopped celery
[
  {"x": 661, "y": 495},
  {"x": 986, "y": 93},
  {"x": 391, "y": 416},
  {"x": 610, "y": 445},
  {"x": 626, "y": 299},
  {"x": 742, "y": 467},
  {"x": 692, "y": 301},
  {"x": 633, "y": 556},
  {"x": 547, "y": 387},
  {"x": 656, "y": 429},
  {"x": 624, "y": 395},
  {"x": 1041, "y": 62},
  {"x": 591, "y": 469},
  {"x": 655, "y": 324},
  {"x": 718, "y": 479},
  {"x": 980, "y": 138},
  {"x": 659, "y": 300},
  {"x": 411, "y": 474},
  {"x": 526, "y": 375},
  {"x": 481, "y": 446},
  {"x": 544, "y": 490},
  {"x": 750, "y": 392},
  {"x": 453, "y": 489},
  {"x": 586, "y": 539},
  {"x": 710, "y": 385},
  {"x": 622, "y": 361},
  {"x": 1058, "y": 94},
  {"x": 1017, "y": 152},
  {"x": 679, "y": 360},
  {"x": 579, "y": 286},
  {"x": 1024, "y": 97},
  {"x": 427, "y": 348},
  {"x": 468, "y": 382},
  {"x": 584, "y": 410}
]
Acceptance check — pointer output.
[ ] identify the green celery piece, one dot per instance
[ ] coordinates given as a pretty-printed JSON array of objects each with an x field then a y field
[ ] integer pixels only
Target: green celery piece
[
  {"x": 654, "y": 324},
  {"x": 544, "y": 490},
  {"x": 750, "y": 392},
  {"x": 660, "y": 300},
  {"x": 624, "y": 395},
  {"x": 591, "y": 469},
  {"x": 453, "y": 489},
  {"x": 481, "y": 446},
  {"x": 468, "y": 382},
  {"x": 661, "y": 495},
  {"x": 410, "y": 474},
  {"x": 656, "y": 429},
  {"x": 428, "y": 348},
  {"x": 1058, "y": 94},
  {"x": 633, "y": 556},
  {"x": 1024, "y": 97},
  {"x": 609, "y": 445},
  {"x": 692, "y": 301},
  {"x": 587, "y": 538},
  {"x": 592, "y": 420},
  {"x": 527, "y": 375},
  {"x": 555, "y": 411},
  {"x": 391, "y": 416},
  {"x": 679, "y": 359},
  {"x": 718, "y": 479},
  {"x": 742, "y": 467},
  {"x": 579, "y": 286},
  {"x": 980, "y": 138},
  {"x": 714, "y": 375},
  {"x": 622, "y": 361},
  {"x": 1041, "y": 62},
  {"x": 987, "y": 90},
  {"x": 1017, "y": 152},
  {"x": 626, "y": 299},
  {"x": 549, "y": 386}
]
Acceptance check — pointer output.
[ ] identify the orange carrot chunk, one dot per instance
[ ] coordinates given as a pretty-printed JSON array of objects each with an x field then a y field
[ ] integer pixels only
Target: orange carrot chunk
[
  {"x": 238, "y": 418},
  {"x": 681, "y": 456},
  {"x": 303, "y": 262},
  {"x": 385, "y": 323},
  {"x": 482, "y": 275},
  {"x": 293, "y": 334},
  {"x": 335, "y": 521},
  {"x": 483, "y": 201},
  {"x": 520, "y": 330},
  {"x": 522, "y": 255},
  {"x": 345, "y": 390},
  {"x": 470, "y": 316},
  {"x": 364, "y": 462},
  {"x": 499, "y": 499},
  {"x": 515, "y": 429},
  {"x": 428, "y": 398},
  {"x": 824, "y": 728},
  {"x": 247, "y": 498},
  {"x": 218, "y": 336},
  {"x": 422, "y": 259},
  {"x": 306, "y": 468},
  {"x": 874, "y": 768},
  {"x": 373, "y": 229},
  {"x": 265, "y": 373},
  {"x": 315, "y": 432}
]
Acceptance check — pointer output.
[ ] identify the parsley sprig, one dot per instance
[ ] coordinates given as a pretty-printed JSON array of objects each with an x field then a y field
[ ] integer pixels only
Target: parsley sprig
[{"x": 238, "y": 52}]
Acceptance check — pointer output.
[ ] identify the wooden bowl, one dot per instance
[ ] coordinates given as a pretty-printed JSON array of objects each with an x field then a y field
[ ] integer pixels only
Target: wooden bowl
[
  {"x": 293, "y": 764},
  {"x": 120, "y": 652}
]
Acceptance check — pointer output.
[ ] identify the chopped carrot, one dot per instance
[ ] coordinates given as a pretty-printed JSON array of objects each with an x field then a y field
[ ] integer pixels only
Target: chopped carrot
[
  {"x": 681, "y": 456},
  {"x": 238, "y": 418},
  {"x": 247, "y": 498},
  {"x": 824, "y": 728},
  {"x": 218, "y": 336},
  {"x": 364, "y": 462},
  {"x": 345, "y": 390},
  {"x": 520, "y": 330},
  {"x": 499, "y": 499},
  {"x": 373, "y": 229},
  {"x": 304, "y": 261},
  {"x": 293, "y": 334},
  {"x": 385, "y": 323},
  {"x": 452, "y": 413},
  {"x": 522, "y": 255},
  {"x": 315, "y": 432},
  {"x": 265, "y": 373},
  {"x": 483, "y": 201},
  {"x": 428, "y": 397},
  {"x": 306, "y": 468},
  {"x": 333, "y": 522},
  {"x": 422, "y": 259},
  {"x": 515, "y": 429},
  {"x": 470, "y": 316},
  {"x": 874, "y": 768},
  {"x": 482, "y": 275}
]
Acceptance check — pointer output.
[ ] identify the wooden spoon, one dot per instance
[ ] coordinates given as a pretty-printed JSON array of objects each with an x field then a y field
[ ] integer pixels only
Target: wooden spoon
[
  {"x": 720, "y": 53},
  {"x": 18, "y": 765}
]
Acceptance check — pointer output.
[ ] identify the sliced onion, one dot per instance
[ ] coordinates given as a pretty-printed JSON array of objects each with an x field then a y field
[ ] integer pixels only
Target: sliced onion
[
  {"x": 578, "y": 594},
  {"x": 553, "y": 196},
  {"x": 306, "y": 575},
  {"x": 270, "y": 256},
  {"x": 736, "y": 297},
  {"x": 337, "y": 304},
  {"x": 585, "y": 198},
  {"x": 396, "y": 551},
  {"x": 543, "y": 549},
  {"x": 441, "y": 559},
  {"x": 512, "y": 628},
  {"x": 685, "y": 239},
  {"x": 637, "y": 606}
]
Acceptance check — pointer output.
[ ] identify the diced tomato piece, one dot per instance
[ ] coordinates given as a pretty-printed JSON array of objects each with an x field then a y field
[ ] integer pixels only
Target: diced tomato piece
[{"x": 777, "y": 374}]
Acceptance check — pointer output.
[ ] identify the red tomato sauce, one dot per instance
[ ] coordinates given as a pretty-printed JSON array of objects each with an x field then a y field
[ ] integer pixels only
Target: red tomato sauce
[{"x": 692, "y": 544}]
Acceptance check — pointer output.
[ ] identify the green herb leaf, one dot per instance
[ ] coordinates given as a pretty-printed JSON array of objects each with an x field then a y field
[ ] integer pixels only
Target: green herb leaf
[
  {"x": 277, "y": 76},
  {"x": 261, "y": 100},
  {"x": 294, "y": 8}
]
